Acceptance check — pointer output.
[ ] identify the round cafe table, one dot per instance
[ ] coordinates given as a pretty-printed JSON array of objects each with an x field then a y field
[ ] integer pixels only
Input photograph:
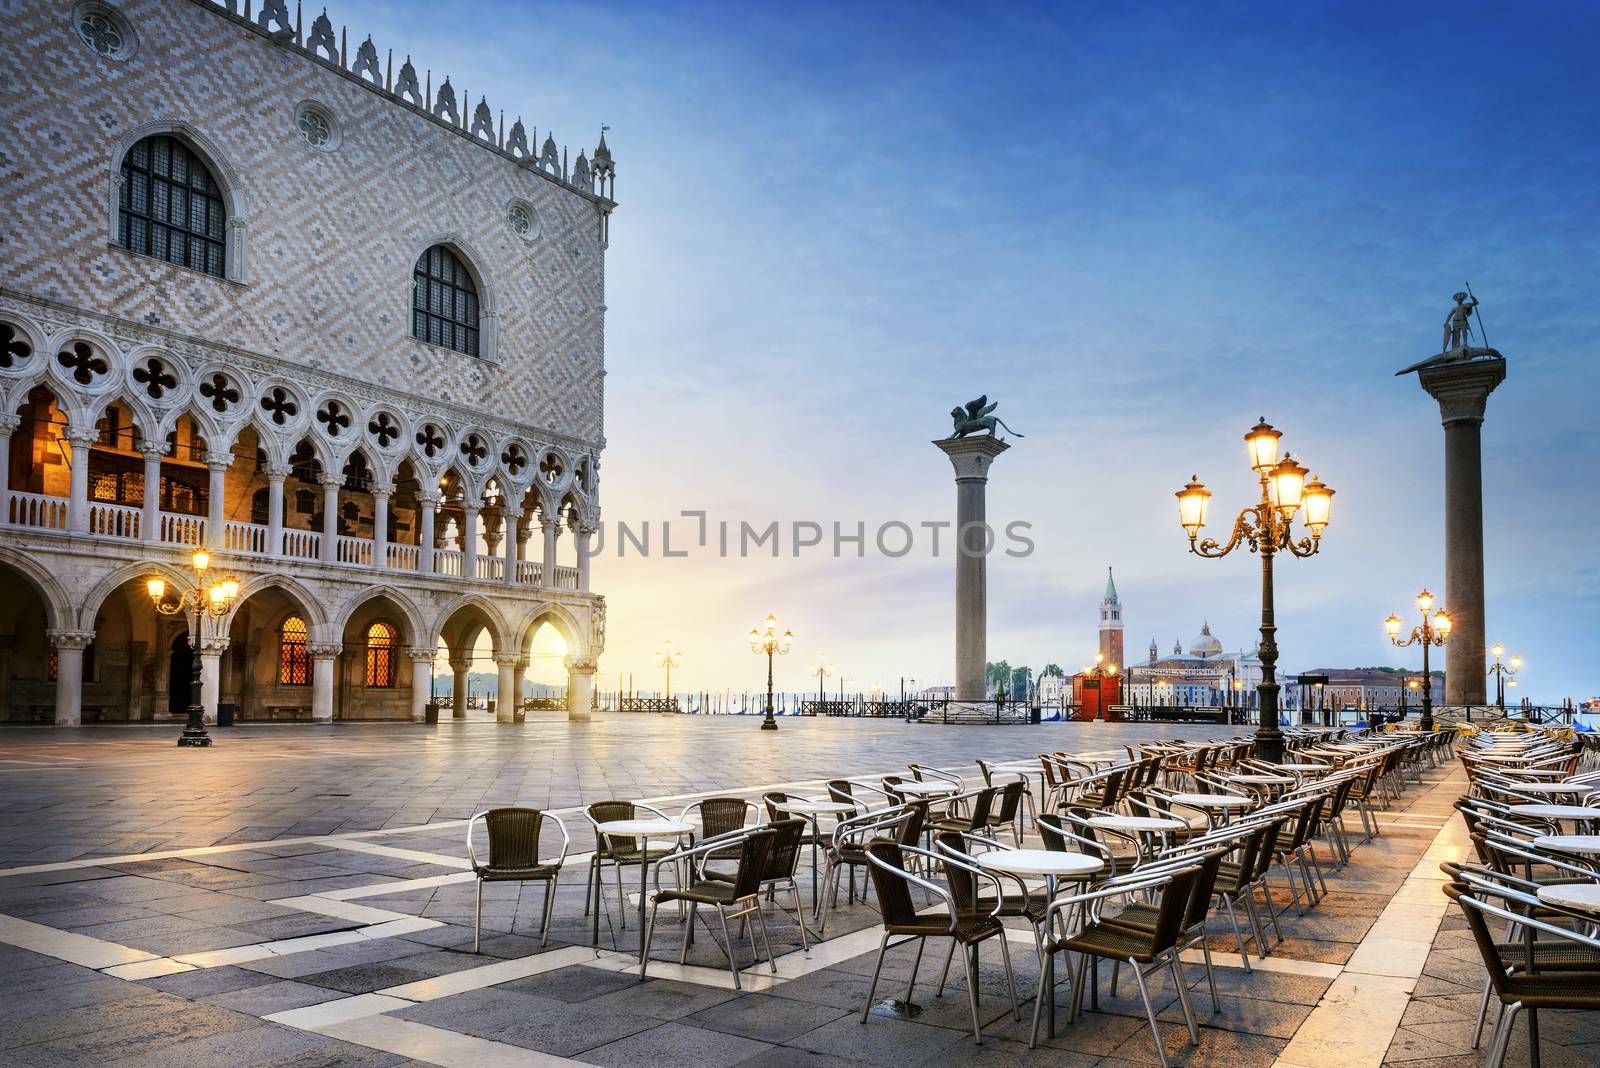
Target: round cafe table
[
  {"x": 1052, "y": 865},
  {"x": 1532, "y": 773},
  {"x": 1310, "y": 768},
  {"x": 1568, "y": 789},
  {"x": 928, "y": 789},
  {"x": 1588, "y": 844},
  {"x": 811, "y": 810},
  {"x": 1223, "y": 803},
  {"x": 643, "y": 831},
  {"x": 1142, "y": 826},
  {"x": 1582, "y": 896},
  {"x": 1558, "y": 812}
]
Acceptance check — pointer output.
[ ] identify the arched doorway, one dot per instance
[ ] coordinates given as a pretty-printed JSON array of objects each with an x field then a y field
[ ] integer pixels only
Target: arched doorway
[
  {"x": 27, "y": 683},
  {"x": 180, "y": 675}
]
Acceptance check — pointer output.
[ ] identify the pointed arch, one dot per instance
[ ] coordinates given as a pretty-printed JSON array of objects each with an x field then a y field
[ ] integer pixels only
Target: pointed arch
[
  {"x": 416, "y": 627},
  {"x": 572, "y": 630},
  {"x": 309, "y": 606},
  {"x": 234, "y": 192},
  {"x": 58, "y": 608},
  {"x": 475, "y": 608}
]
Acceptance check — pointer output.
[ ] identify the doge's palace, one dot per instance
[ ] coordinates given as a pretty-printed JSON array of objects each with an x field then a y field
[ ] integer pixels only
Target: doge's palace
[{"x": 271, "y": 291}]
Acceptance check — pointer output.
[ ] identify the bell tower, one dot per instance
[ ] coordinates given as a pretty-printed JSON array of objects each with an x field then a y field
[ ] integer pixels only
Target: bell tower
[{"x": 1111, "y": 625}]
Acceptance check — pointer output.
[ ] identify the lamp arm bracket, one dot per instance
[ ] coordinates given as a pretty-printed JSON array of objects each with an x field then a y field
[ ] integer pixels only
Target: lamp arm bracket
[{"x": 1245, "y": 530}]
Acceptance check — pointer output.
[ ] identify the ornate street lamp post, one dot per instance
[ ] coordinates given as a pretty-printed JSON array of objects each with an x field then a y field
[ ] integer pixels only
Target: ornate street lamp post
[
  {"x": 205, "y": 601},
  {"x": 772, "y": 643},
  {"x": 1267, "y": 528},
  {"x": 1434, "y": 630},
  {"x": 1500, "y": 671},
  {"x": 822, "y": 669},
  {"x": 669, "y": 658}
]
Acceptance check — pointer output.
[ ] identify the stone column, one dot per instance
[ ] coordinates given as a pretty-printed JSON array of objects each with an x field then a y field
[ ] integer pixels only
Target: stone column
[
  {"x": 78, "y": 495},
  {"x": 323, "y": 655},
  {"x": 8, "y": 423},
  {"x": 458, "y": 687},
  {"x": 427, "y": 507},
  {"x": 469, "y": 540},
  {"x": 380, "y": 525},
  {"x": 971, "y": 458},
  {"x": 211, "y": 650},
  {"x": 276, "y": 473},
  {"x": 330, "y": 517},
  {"x": 421, "y": 682},
  {"x": 70, "y": 645},
  {"x": 506, "y": 696},
  {"x": 1462, "y": 390},
  {"x": 551, "y": 529},
  {"x": 509, "y": 521},
  {"x": 580, "y": 688},
  {"x": 217, "y": 464},
  {"x": 585, "y": 534},
  {"x": 150, "y": 517}
]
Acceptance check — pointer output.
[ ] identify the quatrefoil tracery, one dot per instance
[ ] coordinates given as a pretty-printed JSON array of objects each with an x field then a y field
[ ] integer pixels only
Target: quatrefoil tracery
[
  {"x": 155, "y": 378},
  {"x": 83, "y": 362}
]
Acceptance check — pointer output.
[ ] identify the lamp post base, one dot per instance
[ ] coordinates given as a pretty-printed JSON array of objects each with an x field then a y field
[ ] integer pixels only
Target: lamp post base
[
  {"x": 1269, "y": 746},
  {"x": 194, "y": 731},
  {"x": 769, "y": 724}
]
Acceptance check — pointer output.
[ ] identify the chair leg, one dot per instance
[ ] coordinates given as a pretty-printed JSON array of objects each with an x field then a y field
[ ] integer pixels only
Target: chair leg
[
  {"x": 644, "y": 942},
  {"x": 800, "y": 916},
  {"x": 1483, "y": 1011},
  {"x": 1497, "y": 1050},
  {"x": 916, "y": 964},
  {"x": 1257, "y": 931},
  {"x": 688, "y": 929},
  {"x": 766, "y": 936},
  {"x": 1533, "y": 1038},
  {"x": 733, "y": 962},
  {"x": 1211, "y": 975},
  {"x": 622, "y": 897},
  {"x": 1272, "y": 912},
  {"x": 1238, "y": 935},
  {"x": 1039, "y": 994},
  {"x": 588, "y": 884},
  {"x": 477, "y": 917},
  {"x": 968, "y": 959},
  {"x": 1183, "y": 996},
  {"x": 945, "y": 972},
  {"x": 872, "y": 988},
  {"x": 1150, "y": 1012},
  {"x": 1011, "y": 983},
  {"x": 549, "y": 903}
]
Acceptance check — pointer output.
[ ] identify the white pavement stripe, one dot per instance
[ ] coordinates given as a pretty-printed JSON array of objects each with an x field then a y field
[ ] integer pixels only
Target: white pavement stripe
[
  {"x": 503, "y": 971},
  {"x": 64, "y": 945},
  {"x": 435, "y": 1045}
]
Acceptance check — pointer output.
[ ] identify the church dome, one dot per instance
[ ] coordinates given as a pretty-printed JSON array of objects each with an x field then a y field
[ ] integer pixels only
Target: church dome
[{"x": 1205, "y": 645}]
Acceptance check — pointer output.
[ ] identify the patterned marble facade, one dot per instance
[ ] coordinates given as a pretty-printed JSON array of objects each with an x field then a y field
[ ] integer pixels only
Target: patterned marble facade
[{"x": 272, "y": 404}]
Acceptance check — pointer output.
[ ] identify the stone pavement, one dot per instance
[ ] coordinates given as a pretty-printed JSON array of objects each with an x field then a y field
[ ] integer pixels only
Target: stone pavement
[{"x": 299, "y": 896}]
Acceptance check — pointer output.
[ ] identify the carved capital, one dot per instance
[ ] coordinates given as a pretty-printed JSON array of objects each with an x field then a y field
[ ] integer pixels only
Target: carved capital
[
  {"x": 153, "y": 450},
  {"x": 429, "y": 500},
  {"x": 507, "y": 660},
  {"x": 329, "y": 479},
  {"x": 70, "y": 639},
  {"x": 8, "y": 423},
  {"x": 213, "y": 645},
  {"x": 1462, "y": 389},
  {"x": 79, "y": 438},
  {"x": 324, "y": 650},
  {"x": 277, "y": 472},
  {"x": 582, "y": 665},
  {"x": 459, "y": 666},
  {"x": 419, "y": 656},
  {"x": 219, "y": 461},
  {"x": 381, "y": 489}
]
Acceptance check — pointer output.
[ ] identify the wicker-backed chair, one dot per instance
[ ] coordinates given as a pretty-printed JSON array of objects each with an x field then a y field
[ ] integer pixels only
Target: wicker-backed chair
[
  {"x": 617, "y": 850},
  {"x": 902, "y": 824},
  {"x": 783, "y": 859},
  {"x": 733, "y": 897},
  {"x": 893, "y": 881},
  {"x": 720, "y": 816},
  {"x": 1144, "y": 950},
  {"x": 514, "y": 858},
  {"x": 1553, "y": 967}
]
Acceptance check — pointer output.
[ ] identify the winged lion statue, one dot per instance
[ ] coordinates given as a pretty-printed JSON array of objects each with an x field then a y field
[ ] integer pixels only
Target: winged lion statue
[{"x": 978, "y": 416}]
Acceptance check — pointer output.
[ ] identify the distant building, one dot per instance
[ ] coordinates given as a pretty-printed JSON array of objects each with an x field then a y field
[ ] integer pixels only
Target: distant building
[
  {"x": 1206, "y": 675},
  {"x": 1364, "y": 688},
  {"x": 1111, "y": 625}
]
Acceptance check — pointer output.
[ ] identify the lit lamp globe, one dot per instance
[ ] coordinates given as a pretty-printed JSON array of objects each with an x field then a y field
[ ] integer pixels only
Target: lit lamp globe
[
  {"x": 1192, "y": 502},
  {"x": 1516, "y": 663},
  {"x": 1288, "y": 485},
  {"x": 201, "y": 560},
  {"x": 1424, "y": 600},
  {"x": 1442, "y": 623},
  {"x": 1392, "y": 625},
  {"x": 156, "y": 588},
  {"x": 1262, "y": 444},
  {"x": 1319, "y": 506},
  {"x": 1498, "y": 650}
]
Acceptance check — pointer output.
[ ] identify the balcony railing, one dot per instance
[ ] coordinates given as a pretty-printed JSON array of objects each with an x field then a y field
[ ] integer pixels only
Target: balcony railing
[{"x": 121, "y": 522}]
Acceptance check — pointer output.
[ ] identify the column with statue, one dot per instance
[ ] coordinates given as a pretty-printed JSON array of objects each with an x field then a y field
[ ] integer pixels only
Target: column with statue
[{"x": 972, "y": 447}]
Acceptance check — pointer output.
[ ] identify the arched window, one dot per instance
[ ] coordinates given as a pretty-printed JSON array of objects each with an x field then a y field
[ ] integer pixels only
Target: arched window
[
  {"x": 294, "y": 662},
  {"x": 444, "y": 302},
  {"x": 171, "y": 207},
  {"x": 380, "y": 655}
]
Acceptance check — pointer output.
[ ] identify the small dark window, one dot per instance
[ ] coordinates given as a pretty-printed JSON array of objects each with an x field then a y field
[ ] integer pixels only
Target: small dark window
[
  {"x": 171, "y": 207},
  {"x": 444, "y": 302}
]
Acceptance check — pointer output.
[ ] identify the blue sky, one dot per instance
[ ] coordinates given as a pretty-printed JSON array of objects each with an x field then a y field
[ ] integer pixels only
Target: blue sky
[{"x": 1138, "y": 227}]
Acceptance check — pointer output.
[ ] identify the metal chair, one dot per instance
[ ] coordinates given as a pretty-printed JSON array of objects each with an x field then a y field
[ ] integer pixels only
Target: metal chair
[
  {"x": 893, "y": 883},
  {"x": 733, "y": 898},
  {"x": 514, "y": 858},
  {"x": 617, "y": 849}
]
